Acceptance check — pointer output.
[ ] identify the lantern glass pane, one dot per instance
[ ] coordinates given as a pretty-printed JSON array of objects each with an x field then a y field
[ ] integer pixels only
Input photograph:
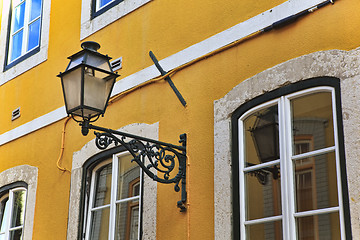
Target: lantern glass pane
[
  {"x": 98, "y": 62},
  {"x": 75, "y": 61},
  {"x": 312, "y": 123},
  {"x": 97, "y": 88},
  {"x": 72, "y": 88},
  {"x": 261, "y": 133}
]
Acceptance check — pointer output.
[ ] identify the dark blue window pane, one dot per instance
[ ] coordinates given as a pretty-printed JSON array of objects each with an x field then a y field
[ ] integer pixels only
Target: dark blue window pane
[
  {"x": 104, "y": 2},
  {"x": 35, "y": 9},
  {"x": 16, "y": 45},
  {"x": 34, "y": 35},
  {"x": 19, "y": 13}
]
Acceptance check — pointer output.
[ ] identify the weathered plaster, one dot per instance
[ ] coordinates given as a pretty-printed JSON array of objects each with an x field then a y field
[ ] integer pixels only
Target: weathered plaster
[
  {"x": 335, "y": 63},
  {"x": 150, "y": 186},
  {"x": 29, "y": 175}
]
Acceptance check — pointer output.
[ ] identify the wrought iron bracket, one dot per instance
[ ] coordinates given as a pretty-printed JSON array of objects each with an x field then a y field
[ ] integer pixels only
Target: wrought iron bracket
[
  {"x": 161, "y": 156},
  {"x": 168, "y": 79}
]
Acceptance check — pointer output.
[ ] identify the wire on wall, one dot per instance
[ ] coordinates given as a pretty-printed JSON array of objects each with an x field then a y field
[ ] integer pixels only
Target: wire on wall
[
  {"x": 62, "y": 147},
  {"x": 275, "y": 25}
]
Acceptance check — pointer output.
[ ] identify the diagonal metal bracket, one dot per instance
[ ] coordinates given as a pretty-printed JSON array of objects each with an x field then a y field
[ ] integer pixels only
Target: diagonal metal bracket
[{"x": 168, "y": 79}]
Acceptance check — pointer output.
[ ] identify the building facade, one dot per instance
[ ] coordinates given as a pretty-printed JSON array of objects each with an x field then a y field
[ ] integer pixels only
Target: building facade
[{"x": 267, "y": 95}]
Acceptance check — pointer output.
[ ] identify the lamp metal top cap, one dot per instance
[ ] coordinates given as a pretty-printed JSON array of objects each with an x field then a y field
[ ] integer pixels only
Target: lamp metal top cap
[{"x": 90, "y": 45}]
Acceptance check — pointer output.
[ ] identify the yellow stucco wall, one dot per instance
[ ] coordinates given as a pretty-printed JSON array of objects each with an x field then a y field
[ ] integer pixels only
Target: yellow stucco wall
[{"x": 165, "y": 27}]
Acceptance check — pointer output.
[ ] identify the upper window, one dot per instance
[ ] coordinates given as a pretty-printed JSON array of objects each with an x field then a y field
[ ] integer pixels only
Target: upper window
[
  {"x": 25, "y": 28},
  {"x": 113, "y": 198},
  {"x": 12, "y": 213},
  {"x": 96, "y": 14},
  {"x": 290, "y": 184},
  {"x": 101, "y": 6},
  {"x": 24, "y": 36}
]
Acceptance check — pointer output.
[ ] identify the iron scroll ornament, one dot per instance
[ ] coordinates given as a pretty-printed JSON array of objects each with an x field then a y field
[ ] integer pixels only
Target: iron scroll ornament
[{"x": 161, "y": 156}]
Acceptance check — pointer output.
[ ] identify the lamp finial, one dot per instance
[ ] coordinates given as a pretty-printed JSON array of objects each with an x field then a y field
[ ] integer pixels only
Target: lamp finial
[{"x": 90, "y": 45}]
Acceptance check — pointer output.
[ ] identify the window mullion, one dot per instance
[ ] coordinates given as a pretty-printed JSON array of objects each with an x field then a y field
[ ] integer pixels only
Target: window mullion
[
  {"x": 338, "y": 167},
  {"x": 8, "y": 220},
  {"x": 289, "y": 170},
  {"x": 284, "y": 182},
  {"x": 115, "y": 167},
  {"x": 26, "y": 27}
]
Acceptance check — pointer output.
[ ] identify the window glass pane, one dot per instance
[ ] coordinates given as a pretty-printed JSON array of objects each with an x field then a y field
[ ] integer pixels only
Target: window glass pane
[
  {"x": 322, "y": 227},
  {"x": 263, "y": 193},
  {"x": 16, "y": 45},
  {"x": 16, "y": 234},
  {"x": 266, "y": 231},
  {"x": 18, "y": 211},
  {"x": 4, "y": 213},
  {"x": 127, "y": 220},
  {"x": 129, "y": 173},
  {"x": 103, "y": 2},
  {"x": 103, "y": 185},
  {"x": 100, "y": 224},
  {"x": 34, "y": 34},
  {"x": 35, "y": 9},
  {"x": 261, "y": 132},
  {"x": 316, "y": 182},
  {"x": 312, "y": 122},
  {"x": 18, "y": 18}
]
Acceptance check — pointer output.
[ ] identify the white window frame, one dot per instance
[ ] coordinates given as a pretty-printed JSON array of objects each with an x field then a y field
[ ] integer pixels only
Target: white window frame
[
  {"x": 113, "y": 202},
  {"x": 8, "y": 220},
  {"x": 98, "y": 7},
  {"x": 25, "y": 29},
  {"x": 91, "y": 25},
  {"x": 33, "y": 60},
  {"x": 286, "y": 170}
]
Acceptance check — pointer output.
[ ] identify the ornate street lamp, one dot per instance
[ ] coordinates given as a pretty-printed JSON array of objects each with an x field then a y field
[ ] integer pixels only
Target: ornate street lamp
[{"x": 87, "y": 84}]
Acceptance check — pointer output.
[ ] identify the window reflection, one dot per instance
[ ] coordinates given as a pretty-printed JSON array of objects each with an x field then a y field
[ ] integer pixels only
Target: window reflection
[
  {"x": 312, "y": 121},
  {"x": 262, "y": 136},
  {"x": 268, "y": 231},
  {"x": 263, "y": 200}
]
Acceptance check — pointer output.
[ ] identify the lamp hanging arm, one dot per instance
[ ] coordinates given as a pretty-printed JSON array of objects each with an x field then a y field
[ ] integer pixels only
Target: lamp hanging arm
[{"x": 161, "y": 156}]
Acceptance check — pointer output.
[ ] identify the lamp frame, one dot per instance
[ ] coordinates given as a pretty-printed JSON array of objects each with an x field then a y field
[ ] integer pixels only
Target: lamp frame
[
  {"x": 82, "y": 106},
  {"x": 160, "y": 156}
]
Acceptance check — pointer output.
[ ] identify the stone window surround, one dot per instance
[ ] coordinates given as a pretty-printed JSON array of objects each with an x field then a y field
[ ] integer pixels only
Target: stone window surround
[
  {"x": 150, "y": 186},
  {"x": 32, "y": 60},
  {"x": 90, "y": 26},
  {"x": 29, "y": 175},
  {"x": 333, "y": 63}
]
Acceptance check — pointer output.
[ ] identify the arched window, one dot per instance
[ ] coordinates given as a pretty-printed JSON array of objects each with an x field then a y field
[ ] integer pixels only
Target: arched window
[
  {"x": 112, "y": 198},
  {"x": 12, "y": 210},
  {"x": 106, "y": 182},
  {"x": 289, "y": 178}
]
